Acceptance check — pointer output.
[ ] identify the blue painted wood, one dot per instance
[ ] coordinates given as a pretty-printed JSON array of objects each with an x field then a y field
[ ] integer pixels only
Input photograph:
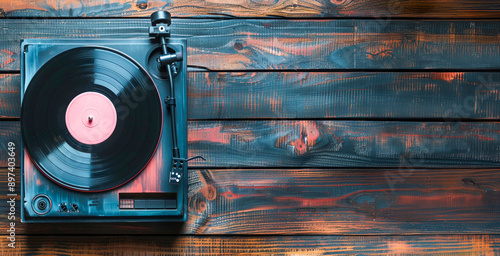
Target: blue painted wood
[
  {"x": 420, "y": 96},
  {"x": 381, "y": 9},
  {"x": 291, "y": 44}
]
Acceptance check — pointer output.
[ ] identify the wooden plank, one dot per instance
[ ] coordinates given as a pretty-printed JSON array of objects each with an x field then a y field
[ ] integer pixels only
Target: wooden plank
[
  {"x": 10, "y": 98},
  {"x": 237, "y": 44},
  {"x": 317, "y": 202},
  {"x": 9, "y": 132},
  {"x": 246, "y": 8},
  {"x": 251, "y": 245},
  {"x": 408, "y": 95},
  {"x": 276, "y": 95},
  {"x": 344, "y": 144},
  {"x": 333, "y": 143}
]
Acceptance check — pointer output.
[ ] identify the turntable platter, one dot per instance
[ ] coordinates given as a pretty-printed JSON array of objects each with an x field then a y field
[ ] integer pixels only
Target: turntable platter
[{"x": 91, "y": 119}]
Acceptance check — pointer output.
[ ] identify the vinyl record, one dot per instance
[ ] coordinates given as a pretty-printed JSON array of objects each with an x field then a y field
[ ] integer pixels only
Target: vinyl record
[{"x": 91, "y": 119}]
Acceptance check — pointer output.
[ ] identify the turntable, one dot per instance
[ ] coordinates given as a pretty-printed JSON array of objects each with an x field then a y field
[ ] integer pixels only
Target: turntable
[{"x": 104, "y": 128}]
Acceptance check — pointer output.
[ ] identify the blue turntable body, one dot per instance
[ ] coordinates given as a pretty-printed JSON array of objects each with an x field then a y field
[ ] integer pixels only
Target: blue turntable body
[{"x": 104, "y": 126}]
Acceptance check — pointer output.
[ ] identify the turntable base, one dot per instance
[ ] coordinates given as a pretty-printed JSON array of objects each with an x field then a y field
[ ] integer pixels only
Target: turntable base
[{"x": 96, "y": 134}]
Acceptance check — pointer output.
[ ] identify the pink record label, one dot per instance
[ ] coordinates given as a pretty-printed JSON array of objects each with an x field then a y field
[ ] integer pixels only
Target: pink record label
[{"x": 91, "y": 118}]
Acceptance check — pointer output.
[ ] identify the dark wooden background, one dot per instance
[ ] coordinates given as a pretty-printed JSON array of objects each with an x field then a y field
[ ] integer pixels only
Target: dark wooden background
[{"x": 330, "y": 126}]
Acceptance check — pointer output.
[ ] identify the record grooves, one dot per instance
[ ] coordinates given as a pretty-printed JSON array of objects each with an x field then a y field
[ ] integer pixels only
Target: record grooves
[{"x": 95, "y": 163}]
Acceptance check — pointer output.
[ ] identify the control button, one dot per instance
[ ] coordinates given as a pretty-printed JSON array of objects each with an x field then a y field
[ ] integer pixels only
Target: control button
[
  {"x": 63, "y": 207},
  {"x": 41, "y": 204}
]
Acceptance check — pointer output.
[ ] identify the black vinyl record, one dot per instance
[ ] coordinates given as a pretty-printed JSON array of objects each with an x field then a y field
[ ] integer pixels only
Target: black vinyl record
[{"x": 128, "y": 148}]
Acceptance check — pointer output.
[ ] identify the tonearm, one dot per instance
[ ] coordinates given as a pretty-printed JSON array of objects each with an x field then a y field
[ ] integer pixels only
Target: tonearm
[{"x": 160, "y": 28}]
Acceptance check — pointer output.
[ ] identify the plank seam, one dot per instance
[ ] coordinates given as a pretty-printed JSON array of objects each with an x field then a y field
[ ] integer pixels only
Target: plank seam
[{"x": 269, "y": 17}]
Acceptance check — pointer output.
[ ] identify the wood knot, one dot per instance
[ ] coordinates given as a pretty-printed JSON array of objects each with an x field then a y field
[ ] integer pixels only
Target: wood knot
[
  {"x": 209, "y": 192},
  {"x": 238, "y": 46},
  {"x": 197, "y": 204},
  {"x": 470, "y": 182},
  {"x": 309, "y": 137},
  {"x": 142, "y": 4},
  {"x": 202, "y": 206}
]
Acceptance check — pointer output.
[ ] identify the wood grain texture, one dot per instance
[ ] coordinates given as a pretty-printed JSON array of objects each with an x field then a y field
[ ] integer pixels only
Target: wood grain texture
[
  {"x": 344, "y": 144},
  {"x": 317, "y": 202},
  {"x": 249, "y": 95},
  {"x": 344, "y": 201},
  {"x": 291, "y": 44},
  {"x": 372, "y": 183},
  {"x": 333, "y": 143},
  {"x": 459, "y": 245},
  {"x": 276, "y": 95},
  {"x": 246, "y": 8},
  {"x": 10, "y": 98},
  {"x": 9, "y": 132}
]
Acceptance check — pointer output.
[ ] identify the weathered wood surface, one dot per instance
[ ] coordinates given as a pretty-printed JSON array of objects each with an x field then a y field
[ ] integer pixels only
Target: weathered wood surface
[
  {"x": 333, "y": 143},
  {"x": 317, "y": 202},
  {"x": 365, "y": 95},
  {"x": 291, "y": 44},
  {"x": 246, "y": 8},
  {"x": 10, "y": 97},
  {"x": 9, "y": 132},
  {"x": 277, "y": 95},
  {"x": 459, "y": 245},
  {"x": 322, "y": 69},
  {"x": 344, "y": 144}
]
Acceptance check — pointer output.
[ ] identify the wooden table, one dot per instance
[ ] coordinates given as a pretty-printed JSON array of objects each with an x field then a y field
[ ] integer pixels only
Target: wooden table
[{"x": 330, "y": 127}]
